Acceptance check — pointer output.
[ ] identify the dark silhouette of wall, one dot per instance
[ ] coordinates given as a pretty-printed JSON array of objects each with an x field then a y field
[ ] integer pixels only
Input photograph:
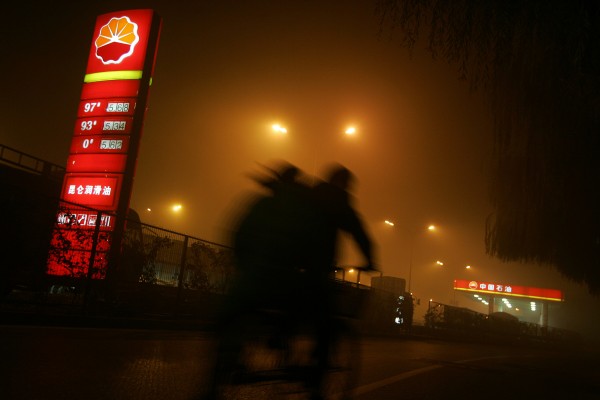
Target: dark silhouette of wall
[{"x": 28, "y": 206}]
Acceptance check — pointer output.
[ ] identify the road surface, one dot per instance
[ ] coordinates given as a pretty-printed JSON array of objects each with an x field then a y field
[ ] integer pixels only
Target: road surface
[{"x": 48, "y": 363}]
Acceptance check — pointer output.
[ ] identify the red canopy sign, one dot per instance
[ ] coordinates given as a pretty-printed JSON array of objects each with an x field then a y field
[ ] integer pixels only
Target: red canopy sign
[{"x": 508, "y": 290}]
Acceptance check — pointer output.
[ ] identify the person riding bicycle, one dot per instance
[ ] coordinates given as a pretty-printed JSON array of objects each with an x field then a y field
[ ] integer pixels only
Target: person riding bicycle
[
  {"x": 268, "y": 243},
  {"x": 336, "y": 214},
  {"x": 285, "y": 246}
]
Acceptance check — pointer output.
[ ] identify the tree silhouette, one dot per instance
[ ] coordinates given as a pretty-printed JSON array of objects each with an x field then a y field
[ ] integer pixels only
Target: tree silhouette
[
  {"x": 209, "y": 267},
  {"x": 538, "y": 63}
]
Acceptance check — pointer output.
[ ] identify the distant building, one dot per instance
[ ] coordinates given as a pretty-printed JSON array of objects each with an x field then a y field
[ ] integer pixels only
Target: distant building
[{"x": 391, "y": 284}]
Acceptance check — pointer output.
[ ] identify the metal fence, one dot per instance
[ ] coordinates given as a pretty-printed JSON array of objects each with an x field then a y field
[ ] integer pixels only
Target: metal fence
[
  {"x": 55, "y": 258},
  {"x": 159, "y": 273}
]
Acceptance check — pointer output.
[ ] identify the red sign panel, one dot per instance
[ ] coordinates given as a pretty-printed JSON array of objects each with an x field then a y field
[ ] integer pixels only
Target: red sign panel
[
  {"x": 99, "y": 125},
  {"x": 84, "y": 219},
  {"x": 99, "y": 191},
  {"x": 99, "y": 144},
  {"x": 110, "y": 88},
  {"x": 96, "y": 163},
  {"x": 105, "y": 141},
  {"x": 75, "y": 260},
  {"x": 508, "y": 290},
  {"x": 101, "y": 107},
  {"x": 120, "y": 41}
]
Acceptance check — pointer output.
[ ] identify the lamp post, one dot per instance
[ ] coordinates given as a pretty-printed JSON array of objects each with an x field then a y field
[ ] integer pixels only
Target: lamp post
[{"x": 430, "y": 228}]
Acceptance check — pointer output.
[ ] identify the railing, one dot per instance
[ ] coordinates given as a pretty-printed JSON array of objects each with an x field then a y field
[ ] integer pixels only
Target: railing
[
  {"x": 30, "y": 163},
  {"x": 159, "y": 272}
]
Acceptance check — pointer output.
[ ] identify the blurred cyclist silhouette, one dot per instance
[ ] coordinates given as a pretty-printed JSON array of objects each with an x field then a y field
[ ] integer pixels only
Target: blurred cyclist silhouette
[
  {"x": 294, "y": 228},
  {"x": 269, "y": 242},
  {"x": 335, "y": 214},
  {"x": 285, "y": 246}
]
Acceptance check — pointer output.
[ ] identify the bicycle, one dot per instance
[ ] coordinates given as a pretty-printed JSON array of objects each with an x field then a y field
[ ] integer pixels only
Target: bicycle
[{"x": 273, "y": 353}]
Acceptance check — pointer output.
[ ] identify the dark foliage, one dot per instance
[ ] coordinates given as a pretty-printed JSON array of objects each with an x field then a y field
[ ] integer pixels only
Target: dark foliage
[{"x": 538, "y": 63}]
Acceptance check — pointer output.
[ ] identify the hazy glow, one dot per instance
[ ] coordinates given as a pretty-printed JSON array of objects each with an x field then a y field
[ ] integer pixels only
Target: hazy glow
[
  {"x": 213, "y": 121},
  {"x": 279, "y": 129},
  {"x": 176, "y": 208},
  {"x": 351, "y": 130}
]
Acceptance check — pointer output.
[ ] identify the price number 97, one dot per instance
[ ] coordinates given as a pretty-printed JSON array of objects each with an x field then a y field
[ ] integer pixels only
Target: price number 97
[{"x": 90, "y": 107}]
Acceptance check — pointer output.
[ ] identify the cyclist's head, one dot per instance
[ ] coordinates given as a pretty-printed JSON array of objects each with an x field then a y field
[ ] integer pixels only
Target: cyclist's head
[
  {"x": 288, "y": 173},
  {"x": 340, "y": 176},
  {"x": 281, "y": 173}
]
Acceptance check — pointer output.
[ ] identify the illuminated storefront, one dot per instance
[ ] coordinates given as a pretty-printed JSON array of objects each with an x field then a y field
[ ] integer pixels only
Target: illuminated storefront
[{"x": 493, "y": 290}]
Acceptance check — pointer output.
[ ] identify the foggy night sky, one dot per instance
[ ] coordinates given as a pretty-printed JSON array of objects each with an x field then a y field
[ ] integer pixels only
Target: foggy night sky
[{"x": 227, "y": 70}]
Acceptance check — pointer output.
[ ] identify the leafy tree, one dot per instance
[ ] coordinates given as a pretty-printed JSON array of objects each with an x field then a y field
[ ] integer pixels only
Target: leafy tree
[
  {"x": 200, "y": 259},
  {"x": 209, "y": 267},
  {"x": 152, "y": 248},
  {"x": 538, "y": 63}
]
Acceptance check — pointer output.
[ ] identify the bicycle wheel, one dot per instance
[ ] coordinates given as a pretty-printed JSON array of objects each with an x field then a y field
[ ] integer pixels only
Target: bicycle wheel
[
  {"x": 343, "y": 364},
  {"x": 252, "y": 363}
]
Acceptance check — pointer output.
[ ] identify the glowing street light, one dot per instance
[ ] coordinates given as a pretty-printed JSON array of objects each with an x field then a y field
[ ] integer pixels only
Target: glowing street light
[
  {"x": 430, "y": 228},
  {"x": 176, "y": 208},
  {"x": 279, "y": 129},
  {"x": 350, "y": 131}
]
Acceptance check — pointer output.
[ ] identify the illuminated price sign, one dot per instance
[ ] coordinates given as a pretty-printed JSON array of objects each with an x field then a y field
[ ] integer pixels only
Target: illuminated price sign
[
  {"x": 99, "y": 125},
  {"x": 96, "y": 144},
  {"x": 114, "y": 126},
  {"x": 95, "y": 191},
  {"x": 83, "y": 219},
  {"x": 105, "y": 141},
  {"x": 94, "y": 108},
  {"x": 110, "y": 89},
  {"x": 111, "y": 144},
  {"x": 96, "y": 163}
]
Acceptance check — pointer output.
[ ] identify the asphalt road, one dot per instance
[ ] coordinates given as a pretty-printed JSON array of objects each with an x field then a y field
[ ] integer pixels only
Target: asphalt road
[{"x": 48, "y": 363}]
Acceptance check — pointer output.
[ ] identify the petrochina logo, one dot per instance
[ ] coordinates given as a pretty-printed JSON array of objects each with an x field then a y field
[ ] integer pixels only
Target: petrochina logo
[
  {"x": 116, "y": 40},
  {"x": 472, "y": 285}
]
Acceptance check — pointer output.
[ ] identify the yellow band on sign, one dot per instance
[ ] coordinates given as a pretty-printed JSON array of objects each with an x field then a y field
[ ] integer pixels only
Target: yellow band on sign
[{"x": 112, "y": 76}]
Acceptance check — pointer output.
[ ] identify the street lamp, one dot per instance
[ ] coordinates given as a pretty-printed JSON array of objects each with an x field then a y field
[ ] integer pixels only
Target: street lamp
[
  {"x": 430, "y": 228},
  {"x": 279, "y": 129}
]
